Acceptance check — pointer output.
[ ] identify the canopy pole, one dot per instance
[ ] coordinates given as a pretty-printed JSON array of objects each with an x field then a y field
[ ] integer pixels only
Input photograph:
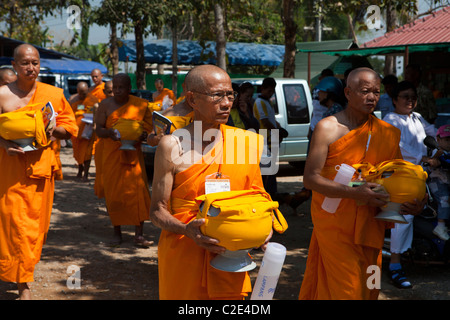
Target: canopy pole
[
  {"x": 309, "y": 69},
  {"x": 406, "y": 58}
]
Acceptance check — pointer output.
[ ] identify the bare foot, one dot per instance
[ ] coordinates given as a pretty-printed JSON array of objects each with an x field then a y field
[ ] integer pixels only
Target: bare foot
[
  {"x": 24, "y": 291},
  {"x": 139, "y": 241}
]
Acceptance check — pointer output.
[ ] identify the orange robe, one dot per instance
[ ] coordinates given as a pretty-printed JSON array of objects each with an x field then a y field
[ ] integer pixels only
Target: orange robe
[
  {"x": 83, "y": 148},
  {"x": 180, "y": 121},
  {"x": 123, "y": 176},
  {"x": 97, "y": 91},
  {"x": 26, "y": 194},
  {"x": 344, "y": 244},
  {"x": 184, "y": 270},
  {"x": 165, "y": 92}
]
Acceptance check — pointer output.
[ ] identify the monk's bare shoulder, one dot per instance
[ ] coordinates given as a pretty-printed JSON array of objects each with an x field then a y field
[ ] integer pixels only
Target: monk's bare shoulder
[{"x": 327, "y": 130}]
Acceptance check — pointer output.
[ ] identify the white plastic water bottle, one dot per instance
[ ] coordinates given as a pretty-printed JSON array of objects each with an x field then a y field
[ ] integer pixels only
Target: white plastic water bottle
[
  {"x": 269, "y": 272},
  {"x": 344, "y": 176}
]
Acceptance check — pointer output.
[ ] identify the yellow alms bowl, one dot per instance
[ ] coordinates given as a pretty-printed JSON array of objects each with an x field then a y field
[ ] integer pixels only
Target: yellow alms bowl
[
  {"x": 237, "y": 231},
  {"x": 129, "y": 129},
  {"x": 14, "y": 126},
  {"x": 405, "y": 186}
]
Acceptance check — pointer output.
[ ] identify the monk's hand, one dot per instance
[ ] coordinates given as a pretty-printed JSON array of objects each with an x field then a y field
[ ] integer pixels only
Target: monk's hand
[
  {"x": 12, "y": 148},
  {"x": 414, "y": 208},
  {"x": 208, "y": 243},
  {"x": 266, "y": 242},
  {"x": 113, "y": 134},
  {"x": 370, "y": 194}
]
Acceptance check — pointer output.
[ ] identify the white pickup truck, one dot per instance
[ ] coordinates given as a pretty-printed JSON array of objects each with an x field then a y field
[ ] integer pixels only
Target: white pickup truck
[{"x": 293, "y": 106}]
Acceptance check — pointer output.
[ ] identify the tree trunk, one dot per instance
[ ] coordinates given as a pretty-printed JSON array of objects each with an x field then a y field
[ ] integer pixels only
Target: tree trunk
[
  {"x": 290, "y": 32},
  {"x": 391, "y": 23},
  {"x": 160, "y": 67},
  {"x": 140, "y": 59},
  {"x": 114, "y": 54},
  {"x": 220, "y": 37},
  {"x": 351, "y": 27},
  {"x": 174, "y": 56}
]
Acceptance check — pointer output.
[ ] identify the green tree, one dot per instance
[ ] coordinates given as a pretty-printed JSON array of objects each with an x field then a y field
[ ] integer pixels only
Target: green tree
[{"x": 22, "y": 19}]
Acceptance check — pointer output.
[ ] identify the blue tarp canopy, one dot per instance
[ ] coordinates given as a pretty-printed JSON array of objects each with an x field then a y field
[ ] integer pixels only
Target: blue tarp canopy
[
  {"x": 195, "y": 53},
  {"x": 64, "y": 65}
]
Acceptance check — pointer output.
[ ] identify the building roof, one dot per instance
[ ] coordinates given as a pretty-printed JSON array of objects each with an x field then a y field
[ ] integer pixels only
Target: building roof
[
  {"x": 318, "y": 61},
  {"x": 434, "y": 28}
]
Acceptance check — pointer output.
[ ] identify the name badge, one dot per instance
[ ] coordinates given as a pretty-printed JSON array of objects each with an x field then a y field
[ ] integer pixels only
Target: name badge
[{"x": 217, "y": 182}]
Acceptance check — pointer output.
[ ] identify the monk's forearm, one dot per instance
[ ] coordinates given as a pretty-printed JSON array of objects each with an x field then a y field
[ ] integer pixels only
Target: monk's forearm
[
  {"x": 105, "y": 132},
  {"x": 327, "y": 187},
  {"x": 61, "y": 133},
  {"x": 164, "y": 220}
]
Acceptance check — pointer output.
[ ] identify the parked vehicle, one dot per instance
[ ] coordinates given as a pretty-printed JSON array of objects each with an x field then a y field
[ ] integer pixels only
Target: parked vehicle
[{"x": 293, "y": 106}]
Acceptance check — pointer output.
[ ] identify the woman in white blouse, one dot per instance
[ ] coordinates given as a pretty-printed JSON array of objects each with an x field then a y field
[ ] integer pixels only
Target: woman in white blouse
[{"x": 414, "y": 128}]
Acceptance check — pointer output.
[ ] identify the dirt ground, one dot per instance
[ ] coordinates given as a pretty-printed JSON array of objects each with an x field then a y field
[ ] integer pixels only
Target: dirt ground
[{"x": 80, "y": 230}]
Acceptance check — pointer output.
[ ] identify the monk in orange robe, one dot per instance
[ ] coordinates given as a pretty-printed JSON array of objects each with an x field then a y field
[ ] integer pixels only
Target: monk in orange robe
[
  {"x": 183, "y": 251},
  {"x": 124, "y": 179},
  {"x": 180, "y": 114},
  {"x": 345, "y": 243},
  {"x": 99, "y": 85},
  {"x": 161, "y": 93},
  {"x": 27, "y": 179},
  {"x": 83, "y": 147},
  {"x": 98, "y": 185}
]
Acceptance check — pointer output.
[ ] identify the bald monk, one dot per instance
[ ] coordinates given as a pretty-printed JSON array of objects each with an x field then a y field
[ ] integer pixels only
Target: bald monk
[
  {"x": 98, "y": 185},
  {"x": 99, "y": 85},
  {"x": 123, "y": 173},
  {"x": 83, "y": 103},
  {"x": 344, "y": 244},
  {"x": 27, "y": 178},
  {"x": 183, "y": 251},
  {"x": 7, "y": 76},
  {"x": 161, "y": 93}
]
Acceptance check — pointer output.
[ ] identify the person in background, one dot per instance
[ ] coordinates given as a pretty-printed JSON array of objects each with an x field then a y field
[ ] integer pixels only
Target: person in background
[
  {"x": 7, "y": 75},
  {"x": 124, "y": 179},
  {"x": 163, "y": 96},
  {"x": 241, "y": 114},
  {"x": 414, "y": 128},
  {"x": 439, "y": 180},
  {"x": 426, "y": 105},
  {"x": 385, "y": 104}
]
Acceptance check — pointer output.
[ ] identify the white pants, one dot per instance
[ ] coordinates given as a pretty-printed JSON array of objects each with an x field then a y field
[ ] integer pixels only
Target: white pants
[{"x": 402, "y": 235}]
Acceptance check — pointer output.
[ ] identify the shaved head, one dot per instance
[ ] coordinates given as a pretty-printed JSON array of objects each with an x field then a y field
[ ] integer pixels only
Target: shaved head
[
  {"x": 198, "y": 78},
  {"x": 108, "y": 90},
  {"x": 7, "y": 76},
  {"x": 97, "y": 76},
  {"x": 360, "y": 74},
  {"x": 82, "y": 89},
  {"x": 26, "y": 62},
  {"x": 122, "y": 78},
  {"x": 22, "y": 49},
  {"x": 82, "y": 85}
]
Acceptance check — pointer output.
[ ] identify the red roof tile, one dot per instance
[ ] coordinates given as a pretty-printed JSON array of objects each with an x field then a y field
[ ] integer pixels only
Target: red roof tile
[{"x": 434, "y": 28}]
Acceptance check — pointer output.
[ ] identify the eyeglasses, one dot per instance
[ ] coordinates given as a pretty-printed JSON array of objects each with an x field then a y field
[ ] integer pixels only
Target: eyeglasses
[
  {"x": 366, "y": 92},
  {"x": 408, "y": 97},
  {"x": 219, "y": 96}
]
